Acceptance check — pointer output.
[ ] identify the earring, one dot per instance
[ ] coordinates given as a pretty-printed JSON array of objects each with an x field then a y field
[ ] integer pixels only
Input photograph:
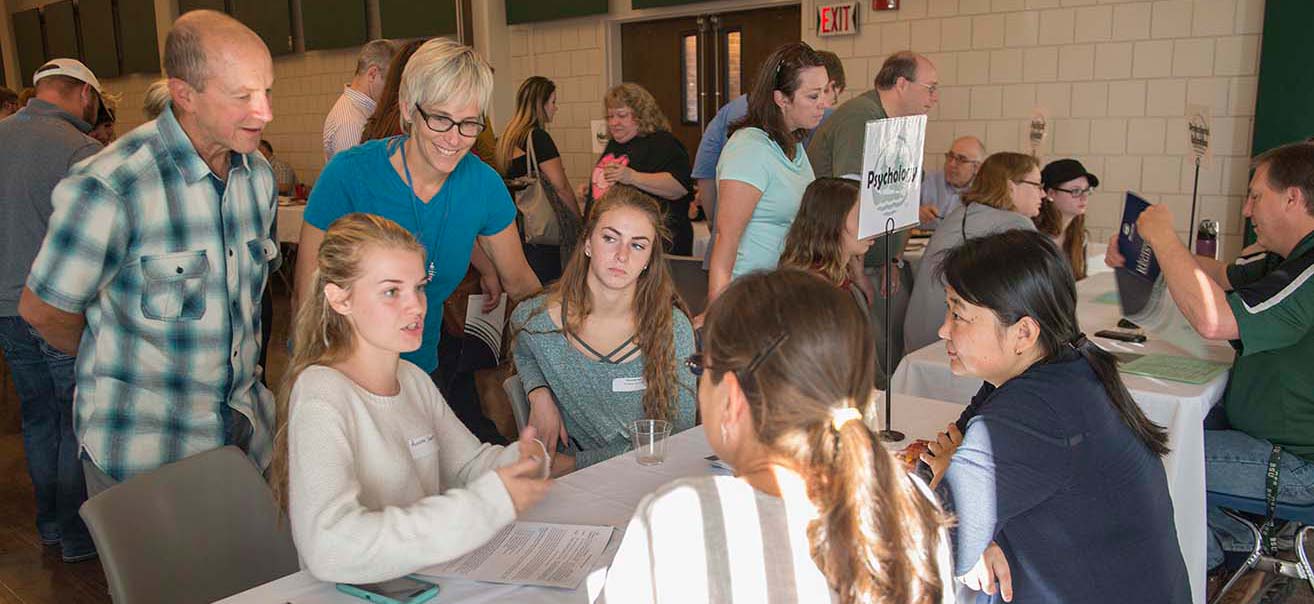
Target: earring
[{"x": 587, "y": 254}]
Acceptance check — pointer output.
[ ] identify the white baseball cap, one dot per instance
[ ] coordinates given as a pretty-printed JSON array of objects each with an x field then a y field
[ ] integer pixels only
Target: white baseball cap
[{"x": 72, "y": 68}]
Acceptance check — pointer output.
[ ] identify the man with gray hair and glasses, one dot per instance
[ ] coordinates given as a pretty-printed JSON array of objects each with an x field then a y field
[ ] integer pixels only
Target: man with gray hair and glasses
[
  {"x": 941, "y": 188},
  {"x": 155, "y": 263},
  {"x": 347, "y": 119}
]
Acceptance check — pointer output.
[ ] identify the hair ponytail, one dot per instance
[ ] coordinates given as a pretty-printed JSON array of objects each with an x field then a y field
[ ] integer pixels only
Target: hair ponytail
[
  {"x": 1105, "y": 366},
  {"x": 871, "y": 518},
  {"x": 876, "y": 535}
]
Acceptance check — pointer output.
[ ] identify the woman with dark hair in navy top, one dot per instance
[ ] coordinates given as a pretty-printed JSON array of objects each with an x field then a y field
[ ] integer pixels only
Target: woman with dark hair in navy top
[{"x": 1056, "y": 479}]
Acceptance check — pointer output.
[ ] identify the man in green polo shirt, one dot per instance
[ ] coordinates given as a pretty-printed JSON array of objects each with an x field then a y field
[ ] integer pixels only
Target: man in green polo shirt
[{"x": 1264, "y": 305}]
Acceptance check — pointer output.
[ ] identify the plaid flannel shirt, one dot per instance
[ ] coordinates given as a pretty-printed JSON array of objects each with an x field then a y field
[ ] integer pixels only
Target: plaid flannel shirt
[{"x": 169, "y": 277}]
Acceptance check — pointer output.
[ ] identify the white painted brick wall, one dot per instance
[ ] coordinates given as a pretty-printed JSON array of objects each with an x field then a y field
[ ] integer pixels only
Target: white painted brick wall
[{"x": 1114, "y": 76}]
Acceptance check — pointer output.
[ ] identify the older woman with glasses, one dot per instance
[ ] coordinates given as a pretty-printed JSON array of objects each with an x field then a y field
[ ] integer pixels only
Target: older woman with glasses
[
  {"x": 1006, "y": 194},
  {"x": 427, "y": 181},
  {"x": 1063, "y": 216}
]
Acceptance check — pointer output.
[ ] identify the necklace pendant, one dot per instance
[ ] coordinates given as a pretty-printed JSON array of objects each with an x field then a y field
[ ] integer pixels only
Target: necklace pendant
[{"x": 432, "y": 272}]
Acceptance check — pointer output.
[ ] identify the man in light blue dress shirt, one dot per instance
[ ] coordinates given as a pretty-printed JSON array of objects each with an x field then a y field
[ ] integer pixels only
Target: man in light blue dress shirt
[{"x": 941, "y": 188}]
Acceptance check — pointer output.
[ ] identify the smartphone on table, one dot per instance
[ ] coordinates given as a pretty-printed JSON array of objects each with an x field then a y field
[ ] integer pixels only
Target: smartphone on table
[{"x": 404, "y": 590}]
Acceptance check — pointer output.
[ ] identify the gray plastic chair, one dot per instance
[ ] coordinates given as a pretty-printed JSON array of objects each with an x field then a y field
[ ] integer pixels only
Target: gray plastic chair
[
  {"x": 196, "y": 530},
  {"x": 515, "y": 391}
]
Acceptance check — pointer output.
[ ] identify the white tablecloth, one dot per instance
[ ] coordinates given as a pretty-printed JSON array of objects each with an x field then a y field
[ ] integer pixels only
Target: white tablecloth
[
  {"x": 603, "y": 494},
  {"x": 1177, "y": 406},
  {"x": 290, "y": 217}
]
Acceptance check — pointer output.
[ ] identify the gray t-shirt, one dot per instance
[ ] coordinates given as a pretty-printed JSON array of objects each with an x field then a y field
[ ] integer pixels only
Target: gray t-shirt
[
  {"x": 38, "y": 145},
  {"x": 926, "y": 308}
]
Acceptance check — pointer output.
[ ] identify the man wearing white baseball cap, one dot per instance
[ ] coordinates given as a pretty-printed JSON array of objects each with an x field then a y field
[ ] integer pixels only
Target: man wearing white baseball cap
[{"x": 42, "y": 141}]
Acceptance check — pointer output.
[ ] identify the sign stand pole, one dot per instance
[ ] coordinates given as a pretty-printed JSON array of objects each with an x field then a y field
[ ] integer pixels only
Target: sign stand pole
[
  {"x": 1190, "y": 226},
  {"x": 889, "y": 434}
]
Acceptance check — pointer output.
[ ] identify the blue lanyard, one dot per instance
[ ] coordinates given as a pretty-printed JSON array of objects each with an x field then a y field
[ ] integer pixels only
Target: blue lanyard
[{"x": 415, "y": 209}]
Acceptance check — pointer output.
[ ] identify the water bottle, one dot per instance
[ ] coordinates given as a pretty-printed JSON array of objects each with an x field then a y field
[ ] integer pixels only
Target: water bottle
[{"x": 1206, "y": 238}]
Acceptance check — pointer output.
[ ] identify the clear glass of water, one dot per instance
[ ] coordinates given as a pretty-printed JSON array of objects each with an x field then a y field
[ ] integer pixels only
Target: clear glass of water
[{"x": 649, "y": 436}]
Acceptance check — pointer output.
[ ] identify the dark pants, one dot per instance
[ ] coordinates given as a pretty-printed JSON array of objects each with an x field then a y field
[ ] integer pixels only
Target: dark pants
[
  {"x": 545, "y": 260},
  {"x": 458, "y": 388},
  {"x": 44, "y": 378}
]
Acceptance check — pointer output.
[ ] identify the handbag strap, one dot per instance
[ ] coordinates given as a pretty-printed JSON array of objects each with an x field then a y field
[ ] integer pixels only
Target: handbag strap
[{"x": 531, "y": 163}]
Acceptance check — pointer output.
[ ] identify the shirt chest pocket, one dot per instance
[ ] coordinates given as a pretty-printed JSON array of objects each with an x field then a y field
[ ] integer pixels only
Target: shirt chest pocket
[
  {"x": 264, "y": 253},
  {"x": 173, "y": 286}
]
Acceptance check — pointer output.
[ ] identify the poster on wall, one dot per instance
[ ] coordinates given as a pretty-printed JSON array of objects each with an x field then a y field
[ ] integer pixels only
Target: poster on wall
[{"x": 891, "y": 174}]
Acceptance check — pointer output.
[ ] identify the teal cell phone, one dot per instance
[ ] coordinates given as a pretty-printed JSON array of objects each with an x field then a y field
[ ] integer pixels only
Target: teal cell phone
[{"x": 405, "y": 590}]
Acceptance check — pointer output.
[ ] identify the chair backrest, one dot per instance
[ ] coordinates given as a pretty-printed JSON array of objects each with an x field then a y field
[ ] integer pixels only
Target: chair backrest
[
  {"x": 196, "y": 530},
  {"x": 690, "y": 280},
  {"x": 515, "y": 390}
]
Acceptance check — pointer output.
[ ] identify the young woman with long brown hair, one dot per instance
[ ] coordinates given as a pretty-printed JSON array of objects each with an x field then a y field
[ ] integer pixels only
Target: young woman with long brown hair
[
  {"x": 379, "y": 478},
  {"x": 824, "y": 237},
  {"x": 600, "y": 347},
  {"x": 1005, "y": 194},
  {"x": 818, "y": 510},
  {"x": 1068, "y": 186}
]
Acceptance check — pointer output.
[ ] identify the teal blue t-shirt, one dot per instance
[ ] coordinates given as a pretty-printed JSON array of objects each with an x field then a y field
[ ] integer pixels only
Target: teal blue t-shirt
[
  {"x": 472, "y": 202},
  {"x": 752, "y": 157}
]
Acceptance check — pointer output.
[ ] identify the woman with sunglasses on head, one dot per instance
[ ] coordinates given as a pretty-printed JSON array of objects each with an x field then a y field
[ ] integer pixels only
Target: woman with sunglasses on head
[
  {"x": 1063, "y": 215},
  {"x": 601, "y": 347},
  {"x": 818, "y": 510},
  {"x": 763, "y": 168},
  {"x": 1005, "y": 194},
  {"x": 426, "y": 180},
  {"x": 1055, "y": 473}
]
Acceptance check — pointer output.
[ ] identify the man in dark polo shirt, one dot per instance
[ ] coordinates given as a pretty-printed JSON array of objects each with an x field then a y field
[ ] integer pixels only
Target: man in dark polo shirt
[{"x": 1264, "y": 305}]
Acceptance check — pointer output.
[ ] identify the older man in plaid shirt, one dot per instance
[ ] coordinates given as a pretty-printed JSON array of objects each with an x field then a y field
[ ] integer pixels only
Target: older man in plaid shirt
[{"x": 155, "y": 262}]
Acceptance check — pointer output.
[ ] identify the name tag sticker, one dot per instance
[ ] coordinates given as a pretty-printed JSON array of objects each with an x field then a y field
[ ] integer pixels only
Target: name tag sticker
[
  {"x": 628, "y": 384},
  {"x": 422, "y": 446}
]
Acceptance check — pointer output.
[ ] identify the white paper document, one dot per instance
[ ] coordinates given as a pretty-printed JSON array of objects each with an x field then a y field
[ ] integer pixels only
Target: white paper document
[{"x": 532, "y": 553}]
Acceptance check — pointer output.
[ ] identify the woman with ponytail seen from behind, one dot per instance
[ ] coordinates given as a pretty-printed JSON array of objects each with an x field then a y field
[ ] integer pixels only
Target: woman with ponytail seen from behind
[
  {"x": 1058, "y": 488},
  {"x": 818, "y": 510}
]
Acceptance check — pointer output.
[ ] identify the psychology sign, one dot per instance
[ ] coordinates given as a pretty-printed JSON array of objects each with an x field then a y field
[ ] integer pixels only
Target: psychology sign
[{"x": 891, "y": 174}]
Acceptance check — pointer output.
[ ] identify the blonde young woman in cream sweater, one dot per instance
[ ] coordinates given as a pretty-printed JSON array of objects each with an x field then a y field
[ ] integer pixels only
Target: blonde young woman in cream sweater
[{"x": 378, "y": 476}]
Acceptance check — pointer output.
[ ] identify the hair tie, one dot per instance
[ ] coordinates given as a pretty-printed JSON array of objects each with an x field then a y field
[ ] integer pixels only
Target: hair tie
[
  {"x": 1078, "y": 342},
  {"x": 843, "y": 415}
]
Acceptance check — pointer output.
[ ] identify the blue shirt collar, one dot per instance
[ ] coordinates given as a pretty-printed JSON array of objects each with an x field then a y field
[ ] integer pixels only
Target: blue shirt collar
[{"x": 180, "y": 149}]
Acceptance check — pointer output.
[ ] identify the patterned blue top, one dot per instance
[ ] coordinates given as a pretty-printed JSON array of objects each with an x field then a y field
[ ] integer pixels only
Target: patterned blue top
[
  {"x": 169, "y": 276},
  {"x": 472, "y": 202}
]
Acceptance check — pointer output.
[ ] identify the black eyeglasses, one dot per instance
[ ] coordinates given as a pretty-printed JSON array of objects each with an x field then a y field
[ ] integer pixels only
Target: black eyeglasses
[
  {"x": 696, "y": 363},
  {"x": 1077, "y": 192},
  {"x": 962, "y": 159},
  {"x": 1032, "y": 183},
  {"x": 442, "y": 123}
]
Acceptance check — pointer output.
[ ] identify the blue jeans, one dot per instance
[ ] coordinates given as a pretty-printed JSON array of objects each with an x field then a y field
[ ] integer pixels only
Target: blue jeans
[
  {"x": 1236, "y": 463},
  {"x": 44, "y": 378}
]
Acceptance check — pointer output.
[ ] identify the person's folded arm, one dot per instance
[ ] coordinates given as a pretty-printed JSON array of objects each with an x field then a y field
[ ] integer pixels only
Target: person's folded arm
[
  {"x": 660, "y": 184},
  {"x": 508, "y": 258}
]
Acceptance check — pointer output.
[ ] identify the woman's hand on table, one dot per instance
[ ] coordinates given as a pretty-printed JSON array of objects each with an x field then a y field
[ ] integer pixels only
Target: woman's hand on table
[
  {"x": 990, "y": 570},
  {"x": 524, "y": 479},
  {"x": 545, "y": 418},
  {"x": 562, "y": 464},
  {"x": 940, "y": 451}
]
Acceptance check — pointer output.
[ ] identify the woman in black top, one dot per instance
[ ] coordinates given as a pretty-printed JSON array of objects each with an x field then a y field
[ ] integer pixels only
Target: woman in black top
[
  {"x": 536, "y": 104},
  {"x": 1057, "y": 477},
  {"x": 644, "y": 154}
]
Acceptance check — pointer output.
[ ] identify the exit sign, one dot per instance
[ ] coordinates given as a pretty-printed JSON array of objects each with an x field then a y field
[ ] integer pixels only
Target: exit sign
[{"x": 837, "y": 19}]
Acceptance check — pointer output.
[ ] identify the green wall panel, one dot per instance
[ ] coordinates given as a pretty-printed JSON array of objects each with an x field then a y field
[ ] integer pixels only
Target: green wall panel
[
  {"x": 190, "y": 5},
  {"x": 61, "y": 30},
  {"x": 270, "y": 19},
  {"x": 416, "y": 18},
  {"x": 138, "y": 37},
  {"x": 31, "y": 47},
  {"x": 333, "y": 23},
  {"x": 530, "y": 11},
  {"x": 100, "y": 47},
  {"x": 659, "y": 3}
]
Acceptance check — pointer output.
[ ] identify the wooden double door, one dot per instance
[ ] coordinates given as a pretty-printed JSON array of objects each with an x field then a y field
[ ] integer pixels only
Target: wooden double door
[{"x": 694, "y": 65}]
